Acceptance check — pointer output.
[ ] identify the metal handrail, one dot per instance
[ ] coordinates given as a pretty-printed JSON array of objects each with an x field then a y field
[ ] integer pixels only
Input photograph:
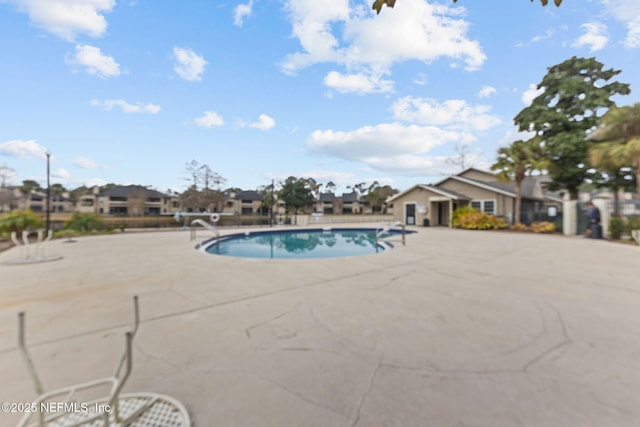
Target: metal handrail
[{"x": 385, "y": 228}]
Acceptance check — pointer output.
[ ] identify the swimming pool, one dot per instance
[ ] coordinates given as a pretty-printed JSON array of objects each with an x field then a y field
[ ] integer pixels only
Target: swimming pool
[{"x": 297, "y": 244}]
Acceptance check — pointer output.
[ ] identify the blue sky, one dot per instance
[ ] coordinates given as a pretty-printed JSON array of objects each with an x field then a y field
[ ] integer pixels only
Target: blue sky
[{"x": 130, "y": 91}]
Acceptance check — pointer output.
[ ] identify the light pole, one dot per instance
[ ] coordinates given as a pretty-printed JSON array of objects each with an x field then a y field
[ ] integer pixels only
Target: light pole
[{"x": 48, "y": 212}]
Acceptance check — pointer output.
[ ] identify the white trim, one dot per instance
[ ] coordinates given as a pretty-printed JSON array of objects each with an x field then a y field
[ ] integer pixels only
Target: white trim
[
  {"x": 442, "y": 191},
  {"x": 478, "y": 184}
]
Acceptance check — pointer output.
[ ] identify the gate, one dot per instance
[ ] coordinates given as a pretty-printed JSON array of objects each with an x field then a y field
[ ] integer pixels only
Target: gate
[{"x": 582, "y": 219}]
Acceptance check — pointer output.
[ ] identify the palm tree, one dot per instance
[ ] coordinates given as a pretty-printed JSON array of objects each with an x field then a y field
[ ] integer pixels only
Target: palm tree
[
  {"x": 619, "y": 128},
  {"x": 515, "y": 163},
  {"x": 611, "y": 160}
]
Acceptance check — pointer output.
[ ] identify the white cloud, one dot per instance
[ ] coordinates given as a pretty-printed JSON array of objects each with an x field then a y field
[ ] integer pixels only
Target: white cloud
[
  {"x": 361, "y": 83},
  {"x": 451, "y": 114},
  {"x": 595, "y": 37},
  {"x": 420, "y": 79},
  {"x": 387, "y": 147},
  {"x": 95, "y": 62},
  {"x": 626, "y": 11},
  {"x": 548, "y": 34},
  {"x": 110, "y": 104},
  {"x": 530, "y": 94},
  {"x": 68, "y": 18},
  {"x": 60, "y": 173},
  {"x": 514, "y": 135},
  {"x": 209, "y": 119},
  {"x": 22, "y": 149},
  {"x": 189, "y": 65},
  {"x": 240, "y": 12},
  {"x": 86, "y": 163},
  {"x": 264, "y": 123},
  {"x": 486, "y": 91},
  {"x": 95, "y": 182},
  {"x": 366, "y": 44}
]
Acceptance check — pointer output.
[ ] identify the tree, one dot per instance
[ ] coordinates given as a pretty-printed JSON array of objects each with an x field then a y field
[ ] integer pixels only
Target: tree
[
  {"x": 296, "y": 193},
  {"x": 515, "y": 163},
  {"x": 377, "y": 195},
  {"x": 617, "y": 140},
  {"x": 330, "y": 186},
  {"x": 6, "y": 174},
  {"x": 574, "y": 93},
  {"x": 29, "y": 185},
  {"x": 18, "y": 221},
  {"x": 462, "y": 160},
  {"x": 268, "y": 197},
  {"x": 612, "y": 170},
  {"x": 204, "y": 193},
  {"x": 377, "y": 5},
  {"x": 57, "y": 190},
  {"x": 210, "y": 179},
  {"x": 192, "y": 169}
]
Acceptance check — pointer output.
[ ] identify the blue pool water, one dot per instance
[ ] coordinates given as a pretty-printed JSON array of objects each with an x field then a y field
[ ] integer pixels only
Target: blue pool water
[{"x": 296, "y": 244}]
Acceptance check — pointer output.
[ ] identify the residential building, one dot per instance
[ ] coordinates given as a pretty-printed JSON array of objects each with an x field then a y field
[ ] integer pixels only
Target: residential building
[
  {"x": 128, "y": 200},
  {"x": 433, "y": 204}
]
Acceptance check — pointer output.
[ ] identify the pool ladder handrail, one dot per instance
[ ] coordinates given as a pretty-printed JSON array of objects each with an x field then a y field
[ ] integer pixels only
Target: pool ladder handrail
[
  {"x": 209, "y": 226},
  {"x": 380, "y": 231}
]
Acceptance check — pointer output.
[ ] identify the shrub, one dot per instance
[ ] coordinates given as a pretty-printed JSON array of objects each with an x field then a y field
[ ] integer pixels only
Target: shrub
[
  {"x": 19, "y": 221},
  {"x": 471, "y": 219},
  {"x": 84, "y": 222},
  {"x": 633, "y": 223},
  {"x": 543, "y": 227},
  {"x": 616, "y": 227},
  {"x": 520, "y": 227},
  {"x": 462, "y": 211}
]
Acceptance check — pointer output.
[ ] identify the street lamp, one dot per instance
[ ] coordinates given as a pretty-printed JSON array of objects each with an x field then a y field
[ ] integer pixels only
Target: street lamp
[{"x": 48, "y": 212}]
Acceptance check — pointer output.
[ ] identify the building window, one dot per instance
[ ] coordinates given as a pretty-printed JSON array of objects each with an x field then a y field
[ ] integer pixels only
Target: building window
[
  {"x": 486, "y": 206},
  {"x": 489, "y": 207}
]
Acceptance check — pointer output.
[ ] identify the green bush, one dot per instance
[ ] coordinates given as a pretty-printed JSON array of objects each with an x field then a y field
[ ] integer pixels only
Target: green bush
[
  {"x": 632, "y": 223},
  {"x": 469, "y": 218},
  {"x": 19, "y": 221},
  {"x": 616, "y": 227},
  {"x": 84, "y": 222}
]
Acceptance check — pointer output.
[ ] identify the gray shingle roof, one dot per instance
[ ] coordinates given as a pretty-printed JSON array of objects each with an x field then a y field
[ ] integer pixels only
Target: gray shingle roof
[
  {"x": 249, "y": 196},
  {"x": 133, "y": 190}
]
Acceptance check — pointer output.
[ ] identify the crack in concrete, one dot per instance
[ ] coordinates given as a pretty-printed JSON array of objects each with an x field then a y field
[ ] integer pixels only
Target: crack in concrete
[
  {"x": 187, "y": 297},
  {"x": 565, "y": 341},
  {"x": 221, "y": 303},
  {"x": 372, "y": 379},
  {"x": 248, "y": 330},
  {"x": 148, "y": 355}
]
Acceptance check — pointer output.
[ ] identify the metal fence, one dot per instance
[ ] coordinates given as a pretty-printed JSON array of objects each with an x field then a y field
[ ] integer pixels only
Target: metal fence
[{"x": 541, "y": 213}]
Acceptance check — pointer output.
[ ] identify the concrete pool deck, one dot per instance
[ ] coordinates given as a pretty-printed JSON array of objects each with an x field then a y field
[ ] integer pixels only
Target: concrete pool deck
[{"x": 457, "y": 328}]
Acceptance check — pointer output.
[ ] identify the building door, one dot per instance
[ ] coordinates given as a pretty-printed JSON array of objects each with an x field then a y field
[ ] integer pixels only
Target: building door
[{"x": 410, "y": 214}]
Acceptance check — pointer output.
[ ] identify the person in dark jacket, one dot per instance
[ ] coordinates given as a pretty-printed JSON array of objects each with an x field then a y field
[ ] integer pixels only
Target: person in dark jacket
[{"x": 593, "y": 215}]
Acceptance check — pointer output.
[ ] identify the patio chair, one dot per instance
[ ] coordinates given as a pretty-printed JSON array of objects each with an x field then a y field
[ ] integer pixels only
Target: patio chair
[{"x": 58, "y": 407}]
